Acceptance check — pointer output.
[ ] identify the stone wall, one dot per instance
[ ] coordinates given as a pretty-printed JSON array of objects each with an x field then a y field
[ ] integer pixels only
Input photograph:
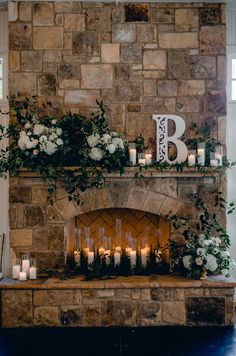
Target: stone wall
[{"x": 140, "y": 59}]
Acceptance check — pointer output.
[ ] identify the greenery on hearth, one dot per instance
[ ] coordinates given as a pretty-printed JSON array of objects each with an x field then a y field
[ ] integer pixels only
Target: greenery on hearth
[{"x": 75, "y": 150}]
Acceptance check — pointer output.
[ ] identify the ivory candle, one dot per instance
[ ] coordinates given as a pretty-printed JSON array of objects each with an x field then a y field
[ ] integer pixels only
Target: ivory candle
[
  {"x": 141, "y": 161},
  {"x": 127, "y": 250},
  {"x": 132, "y": 258},
  {"x": 77, "y": 257},
  {"x": 191, "y": 160},
  {"x": 86, "y": 250},
  {"x": 116, "y": 258},
  {"x": 22, "y": 276},
  {"x": 26, "y": 266},
  {"x": 101, "y": 251},
  {"x": 15, "y": 271},
  {"x": 144, "y": 257},
  {"x": 201, "y": 156},
  {"x": 32, "y": 273},
  {"x": 148, "y": 158},
  {"x": 90, "y": 257},
  {"x": 213, "y": 163},
  {"x": 107, "y": 254},
  {"x": 132, "y": 156}
]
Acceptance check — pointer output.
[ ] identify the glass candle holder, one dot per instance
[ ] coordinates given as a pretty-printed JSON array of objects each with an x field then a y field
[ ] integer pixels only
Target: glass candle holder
[
  {"x": 32, "y": 269},
  {"x": 144, "y": 252},
  {"x": 213, "y": 160},
  {"x": 191, "y": 158},
  {"x": 148, "y": 157},
  {"x": 201, "y": 150},
  {"x": 25, "y": 264},
  {"x": 133, "y": 153},
  {"x": 16, "y": 267},
  {"x": 219, "y": 155},
  {"x": 141, "y": 159}
]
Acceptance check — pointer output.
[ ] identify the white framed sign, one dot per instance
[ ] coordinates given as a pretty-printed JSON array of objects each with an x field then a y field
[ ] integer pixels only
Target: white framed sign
[{"x": 163, "y": 140}]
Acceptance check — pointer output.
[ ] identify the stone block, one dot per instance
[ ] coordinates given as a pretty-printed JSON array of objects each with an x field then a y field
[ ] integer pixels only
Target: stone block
[
  {"x": 20, "y": 36},
  {"x": 52, "y": 214},
  {"x": 56, "y": 239},
  {"x": 110, "y": 53},
  {"x": 48, "y": 37},
  {"x": 136, "y": 199},
  {"x": 68, "y": 71},
  {"x": 52, "y": 56},
  {"x": 191, "y": 87},
  {"x": 86, "y": 44},
  {"x": 81, "y": 97},
  {"x": 92, "y": 314},
  {"x": 40, "y": 297},
  {"x": 128, "y": 92},
  {"x": 169, "y": 105},
  {"x": 69, "y": 84},
  {"x": 222, "y": 69},
  {"x": 222, "y": 129},
  {"x": 46, "y": 316},
  {"x": 21, "y": 237},
  {"x": 145, "y": 294},
  {"x": 170, "y": 206},
  {"x": 14, "y": 61},
  {"x": 96, "y": 76},
  {"x": 165, "y": 186},
  {"x": 19, "y": 195},
  {"x": 31, "y": 61},
  {"x": 173, "y": 312},
  {"x": 48, "y": 260},
  {"x": 98, "y": 19},
  {"x": 39, "y": 195},
  {"x": 71, "y": 316},
  {"x": 25, "y": 9},
  {"x": 154, "y": 59},
  {"x": 123, "y": 33},
  {"x": 47, "y": 84},
  {"x": 133, "y": 108},
  {"x": 64, "y": 7},
  {"x": 105, "y": 293},
  {"x": 122, "y": 313},
  {"x": 131, "y": 53},
  {"x": 149, "y": 313},
  {"x": 187, "y": 104},
  {"x": 213, "y": 39},
  {"x": 178, "y": 64},
  {"x": 167, "y": 88},
  {"x": 209, "y": 16},
  {"x": 17, "y": 308},
  {"x": 202, "y": 67},
  {"x": 59, "y": 20},
  {"x": 39, "y": 239},
  {"x": 178, "y": 40},
  {"x": 194, "y": 292},
  {"x": 60, "y": 297},
  {"x": 186, "y": 20},
  {"x": 163, "y": 15},
  {"x": 122, "y": 72},
  {"x": 205, "y": 311},
  {"x": 23, "y": 83},
  {"x": 43, "y": 14},
  {"x": 118, "y": 191},
  {"x": 149, "y": 74},
  {"x": 146, "y": 33},
  {"x": 216, "y": 102},
  {"x": 66, "y": 208},
  {"x": 142, "y": 123},
  {"x": 136, "y": 12},
  {"x": 149, "y": 87},
  {"x": 74, "y": 22},
  {"x": 153, "y": 202},
  {"x": 12, "y": 217}
]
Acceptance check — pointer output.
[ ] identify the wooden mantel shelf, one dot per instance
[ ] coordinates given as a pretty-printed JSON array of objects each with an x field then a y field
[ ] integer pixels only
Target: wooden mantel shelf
[
  {"x": 147, "y": 173},
  {"x": 137, "y": 282}
]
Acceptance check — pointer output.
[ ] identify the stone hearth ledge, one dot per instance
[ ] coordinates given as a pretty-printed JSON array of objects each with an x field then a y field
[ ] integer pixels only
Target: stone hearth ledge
[{"x": 132, "y": 282}]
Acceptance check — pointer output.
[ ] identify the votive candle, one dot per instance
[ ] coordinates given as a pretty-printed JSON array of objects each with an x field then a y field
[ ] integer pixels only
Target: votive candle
[
  {"x": 15, "y": 271},
  {"x": 22, "y": 276}
]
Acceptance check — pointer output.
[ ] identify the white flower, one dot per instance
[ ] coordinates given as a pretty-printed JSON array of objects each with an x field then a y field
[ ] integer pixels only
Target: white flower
[
  {"x": 43, "y": 138},
  {"x": 187, "y": 261},
  {"x": 27, "y": 125},
  {"x": 34, "y": 142},
  {"x": 93, "y": 140},
  {"x": 53, "y": 137},
  {"x": 211, "y": 264},
  {"x": 114, "y": 134},
  {"x": 54, "y": 121},
  {"x": 111, "y": 148},
  {"x": 58, "y": 131},
  {"x": 29, "y": 145},
  {"x": 39, "y": 129},
  {"x": 50, "y": 148},
  {"x": 215, "y": 251},
  {"x": 35, "y": 152},
  {"x": 201, "y": 251},
  {"x": 96, "y": 154},
  {"x": 105, "y": 138},
  {"x": 117, "y": 141},
  {"x": 198, "y": 261},
  {"x": 207, "y": 243},
  {"x": 59, "y": 142}
]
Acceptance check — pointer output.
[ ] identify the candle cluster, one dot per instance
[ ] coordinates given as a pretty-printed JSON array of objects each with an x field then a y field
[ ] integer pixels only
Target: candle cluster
[
  {"x": 23, "y": 268},
  {"x": 144, "y": 158},
  {"x": 199, "y": 156}
]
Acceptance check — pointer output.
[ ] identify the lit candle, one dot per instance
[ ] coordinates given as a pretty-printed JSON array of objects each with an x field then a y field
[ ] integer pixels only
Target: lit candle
[
  {"x": 26, "y": 266},
  {"x": 116, "y": 258},
  {"x": 201, "y": 153},
  {"x": 141, "y": 159},
  {"x": 90, "y": 257},
  {"x": 86, "y": 250},
  {"x": 213, "y": 163},
  {"x": 191, "y": 158},
  {"x": 107, "y": 254},
  {"x": 101, "y": 251},
  {"x": 144, "y": 256},
  {"x": 127, "y": 250},
  {"x": 148, "y": 158},
  {"x": 22, "y": 276},
  {"x": 15, "y": 271},
  {"x": 77, "y": 257},
  {"x": 33, "y": 273},
  {"x": 132, "y": 258},
  {"x": 132, "y": 153}
]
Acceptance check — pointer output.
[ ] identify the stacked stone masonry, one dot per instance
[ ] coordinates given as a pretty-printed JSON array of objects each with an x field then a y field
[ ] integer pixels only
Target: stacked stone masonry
[{"x": 139, "y": 59}]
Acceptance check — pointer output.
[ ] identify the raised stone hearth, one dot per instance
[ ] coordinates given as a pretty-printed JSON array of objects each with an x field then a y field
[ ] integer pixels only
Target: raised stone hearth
[{"x": 125, "y": 301}]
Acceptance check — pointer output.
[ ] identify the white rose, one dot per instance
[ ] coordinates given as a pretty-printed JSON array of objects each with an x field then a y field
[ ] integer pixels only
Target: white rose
[
  {"x": 207, "y": 243},
  {"x": 105, "y": 138},
  {"x": 53, "y": 137},
  {"x": 111, "y": 148},
  {"x": 54, "y": 121},
  {"x": 211, "y": 264},
  {"x": 114, "y": 134},
  {"x": 39, "y": 129},
  {"x": 27, "y": 125},
  {"x": 96, "y": 154},
  {"x": 22, "y": 144},
  {"x": 198, "y": 261},
  {"x": 117, "y": 141},
  {"x": 29, "y": 145},
  {"x": 201, "y": 251},
  {"x": 187, "y": 261},
  {"x": 43, "y": 138},
  {"x": 59, "y": 142},
  {"x": 58, "y": 131},
  {"x": 50, "y": 148},
  {"x": 34, "y": 142},
  {"x": 93, "y": 140}
]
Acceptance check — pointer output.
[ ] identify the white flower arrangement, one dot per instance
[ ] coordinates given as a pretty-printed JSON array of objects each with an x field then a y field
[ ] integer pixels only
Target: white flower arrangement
[{"x": 36, "y": 137}]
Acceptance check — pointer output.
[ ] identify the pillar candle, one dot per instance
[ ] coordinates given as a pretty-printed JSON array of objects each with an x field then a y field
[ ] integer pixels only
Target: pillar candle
[
  {"x": 107, "y": 254},
  {"x": 15, "y": 271},
  {"x": 132, "y": 258},
  {"x": 90, "y": 257},
  {"x": 22, "y": 276},
  {"x": 201, "y": 156},
  {"x": 148, "y": 158},
  {"x": 26, "y": 266},
  {"x": 32, "y": 273},
  {"x": 132, "y": 156},
  {"x": 144, "y": 257},
  {"x": 101, "y": 251},
  {"x": 116, "y": 258},
  {"x": 191, "y": 160},
  {"x": 77, "y": 257},
  {"x": 213, "y": 163}
]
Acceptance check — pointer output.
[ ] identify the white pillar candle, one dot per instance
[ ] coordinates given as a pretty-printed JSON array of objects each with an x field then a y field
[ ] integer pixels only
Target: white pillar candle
[
  {"x": 90, "y": 257},
  {"x": 219, "y": 158},
  {"x": 107, "y": 254},
  {"x": 148, "y": 158},
  {"x": 33, "y": 273},
  {"x": 144, "y": 257},
  {"x": 191, "y": 160},
  {"x": 132, "y": 156},
  {"x": 127, "y": 250},
  {"x": 101, "y": 251},
  {"x": 116, "y": 258},
  {"x": 213, "y": 163},
  {"x": 25, "y": 267},
  {"x": 22, "y": 276},
  {"x": 77, "y": 257},
  {"x": 15, "y": 271},
  {"x": 141, "y": 161},
  {"x": 132, "y": 259},
  {"x": 201, "y": 156},
  {"x": 86, "y": 250}
]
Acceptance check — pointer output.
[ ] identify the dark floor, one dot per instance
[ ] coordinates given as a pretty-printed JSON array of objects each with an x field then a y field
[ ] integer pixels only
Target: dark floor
[{"x": 166, "y": 341}]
